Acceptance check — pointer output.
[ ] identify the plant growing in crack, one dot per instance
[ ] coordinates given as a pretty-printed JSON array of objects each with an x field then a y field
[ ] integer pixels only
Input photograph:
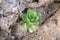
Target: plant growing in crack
[{"x": 31, "y": 20}]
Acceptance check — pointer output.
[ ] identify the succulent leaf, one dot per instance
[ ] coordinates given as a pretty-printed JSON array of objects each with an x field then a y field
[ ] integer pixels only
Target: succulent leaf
[{"x": 24, "y": 26}]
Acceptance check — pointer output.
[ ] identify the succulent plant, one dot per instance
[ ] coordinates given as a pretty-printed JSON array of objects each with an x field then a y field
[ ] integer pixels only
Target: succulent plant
[{"x": 31, "y": 20}]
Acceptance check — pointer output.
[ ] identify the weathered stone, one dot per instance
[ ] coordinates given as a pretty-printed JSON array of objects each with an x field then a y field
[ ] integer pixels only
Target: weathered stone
[
  {"x": 40, "y": 3},
  {"x": 12, "y": 6},
  {"x": 50, "y": 30},
  {"x": 5, "y": 22},
  {"x": 57, "y": 16}
]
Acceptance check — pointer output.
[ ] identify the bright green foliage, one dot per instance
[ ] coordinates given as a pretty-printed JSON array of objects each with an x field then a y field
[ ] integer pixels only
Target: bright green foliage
[{"x": 31, "y": 20}]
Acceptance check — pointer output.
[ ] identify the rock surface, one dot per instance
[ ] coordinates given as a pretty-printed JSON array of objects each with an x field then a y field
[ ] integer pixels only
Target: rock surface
[
  {"x": 50, "y": 30},
  {"x": 40, "y": 3},
  {"x": 11, "y": 22}
]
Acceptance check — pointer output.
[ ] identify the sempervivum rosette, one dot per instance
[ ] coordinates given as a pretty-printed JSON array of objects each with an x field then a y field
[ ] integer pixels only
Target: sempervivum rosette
[{"x": 32, "y": 19}]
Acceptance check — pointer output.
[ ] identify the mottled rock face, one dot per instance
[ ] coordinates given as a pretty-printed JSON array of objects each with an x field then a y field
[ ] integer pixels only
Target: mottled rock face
[
  {"x": 5, "y": 22},
  {"x": 10, "y": 23},
  {"x": 40, "y": 3},
  {"x": 11, "y": 5},
  {"x": 9, "y": 11},
  {"x": 57, "y": 16},
  {"x": 48, "y": 31},
  {"x": 11, "y": 1}
]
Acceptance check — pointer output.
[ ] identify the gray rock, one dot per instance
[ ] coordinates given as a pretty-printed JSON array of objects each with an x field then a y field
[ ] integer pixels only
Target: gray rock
[
  {"x": 12, "y": 5},
  {"x": 5, "y": 22}
]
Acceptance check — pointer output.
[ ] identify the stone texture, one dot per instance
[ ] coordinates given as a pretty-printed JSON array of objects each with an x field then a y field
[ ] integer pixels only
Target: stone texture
[
  {"x": 5, "y": 22},
  {"x": 11, "y": 6},
  {"x": 10, "y": 29},
  {"x": 58, "y": 25},
  {"x": 50, "y": 30},
  {"x": 9, "y": 11},
  {"x": 40, "y": 3}
]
